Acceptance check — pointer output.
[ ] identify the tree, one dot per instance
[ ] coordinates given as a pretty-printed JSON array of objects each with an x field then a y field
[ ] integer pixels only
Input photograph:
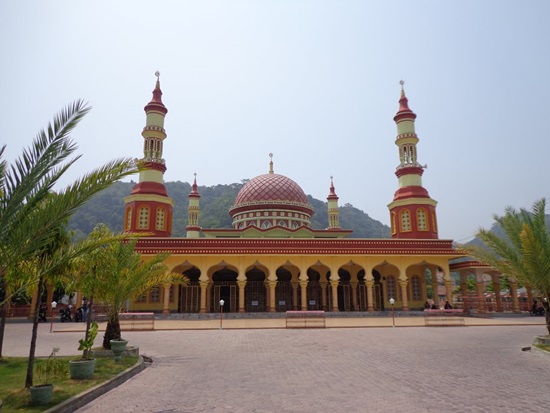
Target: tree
[
  {"x": 523, "y": 253},
  {"x": 116, "y": 273},
  {"x": 30, "y": 219}
]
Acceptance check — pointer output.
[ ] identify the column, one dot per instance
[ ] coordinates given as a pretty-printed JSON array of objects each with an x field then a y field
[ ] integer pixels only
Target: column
[
  {"x": 405, "y": 301},
  {"x": 204, "y": 294},
  {"x": 324, "y": 286},
  {"x": 449, "y": 290},
  {"x": 354, "y": 295},
  {"x": 514, "y": 293},
  {"x": 294, "y": 296},
  {"x": 166, "y": 301},
  {"x": 209, "y": 296},
  {"x": 272, "y": 285},
  {"x": 465, "y": 297},
  {"x": 242, "y": 285},
  {"x": 498, "y": 298},
  {"x": 435, "y": 283},
  {"x": 33, "y": 303},
  {"x": 370, "y": 295},
  {"x": 303, "y": 290},
  {"x": 334, "y": 288},
  {"x": 481, "y": 308}
]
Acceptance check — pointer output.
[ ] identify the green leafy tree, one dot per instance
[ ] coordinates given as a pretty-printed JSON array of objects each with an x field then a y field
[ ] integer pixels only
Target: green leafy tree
[
  {"x": 31, "y": 219},
  {"x": 116, "y": 273},
  {"x": 523, "y": 252}
]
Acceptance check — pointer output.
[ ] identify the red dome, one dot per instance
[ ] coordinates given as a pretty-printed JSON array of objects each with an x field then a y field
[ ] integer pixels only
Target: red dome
[{"x": 271, "y": 187}]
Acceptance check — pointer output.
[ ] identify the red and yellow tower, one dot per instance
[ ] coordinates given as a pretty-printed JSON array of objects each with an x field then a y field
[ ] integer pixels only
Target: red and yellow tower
[
  {"x": 148, "y": 207},
  {"x": 412, "y": 211}
]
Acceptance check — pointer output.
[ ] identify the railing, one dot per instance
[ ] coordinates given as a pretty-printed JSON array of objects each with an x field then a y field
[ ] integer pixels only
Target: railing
[{"x": 136, "y": 321}]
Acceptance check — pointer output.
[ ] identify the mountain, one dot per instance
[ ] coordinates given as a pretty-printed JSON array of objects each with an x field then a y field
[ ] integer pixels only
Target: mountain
[{"x": 108, "y": 207}]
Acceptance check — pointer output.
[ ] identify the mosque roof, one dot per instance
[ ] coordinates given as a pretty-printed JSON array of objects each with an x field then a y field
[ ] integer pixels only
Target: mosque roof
[{"x": 270, "y": 188}]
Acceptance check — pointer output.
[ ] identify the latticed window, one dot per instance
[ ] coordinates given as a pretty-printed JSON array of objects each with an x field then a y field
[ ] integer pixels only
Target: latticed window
[
  {"x": 405, "y": 220},
  {"x": 266, "y": 224},
  {"x": 129, "y": 218},
  {"x": 160, "y": 219},
  {"x": 282, "y": 223},
  {"x": 143, "y": 218},
  {"x": 391, "y": 286},
  {"x": 415, "y": 287},
  {"x": 141, "y": 299},
  {"x": 422, "y": 220},
  {"x": 154, "y": 295}
]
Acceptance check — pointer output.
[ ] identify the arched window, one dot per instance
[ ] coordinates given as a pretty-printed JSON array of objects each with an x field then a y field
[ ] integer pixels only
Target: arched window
[
  {"x": 154, "y": 295},
  {"x": 393, "y": 224},
  {"x": 161, "y": 219},
  {"x": 282, "y": 223},
  {"x": 415, "y": 288},
  {"x": 128, "y": 218},
  {"x": 266, "y": 224},
  {"x": 391, "y": 287},
  {"x": 422, "y": 219},
  {"x": 405, "y": 220},
  {"x": 143, "y": 215}
]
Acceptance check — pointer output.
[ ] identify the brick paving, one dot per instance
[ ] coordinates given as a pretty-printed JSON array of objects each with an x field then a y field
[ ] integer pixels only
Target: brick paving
[{"x": 421, "y": 369}]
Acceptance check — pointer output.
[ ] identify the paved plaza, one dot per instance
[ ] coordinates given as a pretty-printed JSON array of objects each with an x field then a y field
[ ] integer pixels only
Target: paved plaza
[{"x": 377, "y": 369}]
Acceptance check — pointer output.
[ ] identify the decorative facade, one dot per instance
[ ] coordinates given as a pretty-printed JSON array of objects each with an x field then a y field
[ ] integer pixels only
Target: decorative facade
[{"x": 271, "y": 260}]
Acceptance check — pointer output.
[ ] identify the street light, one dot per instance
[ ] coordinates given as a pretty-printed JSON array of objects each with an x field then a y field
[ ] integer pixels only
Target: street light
[
  {"x": 392, "y": 302},
  {"x": 221, "y": 312},
  {"x": 54, "y": 304}
]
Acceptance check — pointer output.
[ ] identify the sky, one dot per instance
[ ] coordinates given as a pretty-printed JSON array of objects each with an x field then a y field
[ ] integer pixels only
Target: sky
[{"x": 316, "y": 83}]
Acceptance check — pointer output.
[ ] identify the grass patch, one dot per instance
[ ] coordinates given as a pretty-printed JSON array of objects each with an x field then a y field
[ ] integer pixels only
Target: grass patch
[
  {"x": 15, "y": 397},
  {"x": 545, "y": 348}
]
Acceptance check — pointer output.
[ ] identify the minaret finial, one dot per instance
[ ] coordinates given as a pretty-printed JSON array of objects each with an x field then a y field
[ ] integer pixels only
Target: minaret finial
[
  {"x": 271, "y": 163},
  {"x": 402, "y": 82}
]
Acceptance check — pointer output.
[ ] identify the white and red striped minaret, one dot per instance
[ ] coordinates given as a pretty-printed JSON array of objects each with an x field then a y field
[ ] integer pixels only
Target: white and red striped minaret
[
  {"x": 148, "y": 207},
  {"x": 412, "y": 211}
]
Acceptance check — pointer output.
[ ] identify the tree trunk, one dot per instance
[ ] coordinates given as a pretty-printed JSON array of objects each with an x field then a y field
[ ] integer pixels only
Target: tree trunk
[
  {"x": 3, "y": 316},
  {"x": 546, "y": 306},
  {"x": 34, "y": 337},
  {"x": 112, "y": 332}
]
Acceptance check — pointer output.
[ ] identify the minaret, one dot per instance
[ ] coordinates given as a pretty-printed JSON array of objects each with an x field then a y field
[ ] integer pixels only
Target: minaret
[
  {"x": 148, "y": 207},
  {"x": 412, "y": 211},
  {"x": 333, "y": 213},
  {"x": 193, "y": 211}
]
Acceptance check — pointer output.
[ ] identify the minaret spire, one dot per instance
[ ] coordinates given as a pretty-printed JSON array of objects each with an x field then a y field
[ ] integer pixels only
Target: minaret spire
[
  {"x": 333, "y": 212},
  {"x": 149, "y": 208},
  {"x": 193, "y": 211},
  {"x": 412, "y": 210},
  {"x": 271, "y": 163}
]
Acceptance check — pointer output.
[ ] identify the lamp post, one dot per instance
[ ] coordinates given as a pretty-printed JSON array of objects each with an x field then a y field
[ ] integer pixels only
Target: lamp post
[
  {"x": 392, "y": 302},
  {"x": 54, "y": 305},
  {"x": 221, "y": 312}
]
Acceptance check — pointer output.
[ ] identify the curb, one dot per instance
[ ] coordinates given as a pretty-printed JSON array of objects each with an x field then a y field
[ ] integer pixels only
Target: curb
[{"x": 76, "y": 402}]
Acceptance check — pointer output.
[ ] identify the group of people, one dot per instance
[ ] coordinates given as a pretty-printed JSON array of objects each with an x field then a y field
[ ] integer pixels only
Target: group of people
[{"x": 433, "y": 306}]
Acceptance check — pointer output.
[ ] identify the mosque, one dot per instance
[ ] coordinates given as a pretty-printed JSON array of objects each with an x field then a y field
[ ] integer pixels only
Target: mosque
[{"x": 271, "y": 260}]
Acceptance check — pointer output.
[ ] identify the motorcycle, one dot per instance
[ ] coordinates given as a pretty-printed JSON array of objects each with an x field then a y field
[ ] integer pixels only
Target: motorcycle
[
  {"x": 42, "y": 313},
  {"x": 78, "y": 314},
  {"x": 65, "y": 314}
]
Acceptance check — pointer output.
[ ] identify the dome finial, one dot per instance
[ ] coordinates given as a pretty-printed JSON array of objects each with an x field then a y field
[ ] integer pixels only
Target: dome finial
[
  {"x": 271, "y": 163},
  {"x": 402, "y": 82}
]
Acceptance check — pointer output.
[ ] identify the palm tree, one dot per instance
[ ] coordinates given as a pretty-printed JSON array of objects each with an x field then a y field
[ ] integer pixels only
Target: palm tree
[
  {"x": 30, "y": 219},
  {"x": 524, "y": 252},
  {"x": 116, "y": 273}
]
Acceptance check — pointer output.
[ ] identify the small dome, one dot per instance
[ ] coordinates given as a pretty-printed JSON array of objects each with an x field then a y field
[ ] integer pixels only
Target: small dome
[{"x": 272, "y": 197}]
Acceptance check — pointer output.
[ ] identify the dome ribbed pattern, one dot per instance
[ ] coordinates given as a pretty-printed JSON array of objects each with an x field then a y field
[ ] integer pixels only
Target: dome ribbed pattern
[{"x": 271, "y": 187}]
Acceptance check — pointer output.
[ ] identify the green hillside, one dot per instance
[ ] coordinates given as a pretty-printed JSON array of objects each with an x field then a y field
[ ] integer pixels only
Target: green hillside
[{"x": 108, "y": 208}]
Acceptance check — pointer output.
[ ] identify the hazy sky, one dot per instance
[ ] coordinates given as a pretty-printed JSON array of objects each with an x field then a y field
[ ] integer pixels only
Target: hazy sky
[{"x": 314, "y": 82}]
